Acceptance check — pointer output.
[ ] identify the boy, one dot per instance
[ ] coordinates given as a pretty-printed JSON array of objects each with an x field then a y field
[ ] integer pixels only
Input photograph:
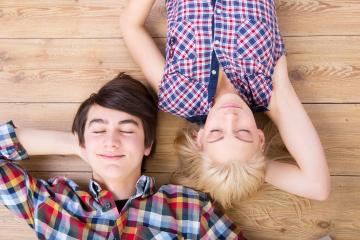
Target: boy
[{"x": 116, "y": 131}]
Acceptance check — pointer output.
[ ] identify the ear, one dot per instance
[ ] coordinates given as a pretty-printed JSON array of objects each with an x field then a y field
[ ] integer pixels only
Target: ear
[
  {"x": 262, "y": 140},
  {"x": 200, "y": 137},
  {"x": 147, "y": 150}
]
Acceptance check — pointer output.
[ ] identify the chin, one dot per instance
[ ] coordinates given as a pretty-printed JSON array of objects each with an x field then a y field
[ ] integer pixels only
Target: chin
[
  {"x": 113, "y": 171},
  {"x": 229, "y": 98}
]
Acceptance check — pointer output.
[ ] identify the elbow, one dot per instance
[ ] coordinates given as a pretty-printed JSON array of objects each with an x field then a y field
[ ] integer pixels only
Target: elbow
[
  {"x": 129, "y": 25},
  {"x": 322, "y": 191},
  {"x": 322, "y": 195},
  {"x": 125, "y": 23},
  {"x": 127, "y": 30}
]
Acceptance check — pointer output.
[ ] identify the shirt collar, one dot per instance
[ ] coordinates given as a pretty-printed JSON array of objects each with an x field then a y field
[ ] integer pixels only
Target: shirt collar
[{"x": 145, "y": 187}]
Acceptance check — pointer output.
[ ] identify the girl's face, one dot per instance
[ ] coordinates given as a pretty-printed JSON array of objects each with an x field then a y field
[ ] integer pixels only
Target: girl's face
[{"x": 230, "y": 132}]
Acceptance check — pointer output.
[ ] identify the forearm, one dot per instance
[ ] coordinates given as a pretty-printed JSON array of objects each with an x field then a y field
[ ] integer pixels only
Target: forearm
[
  {"x": 288, "y": 177},
  {"x": 147, "y": 55},
  {"x": 139, "y": 42},
  {"x": 45, "y": 142}
]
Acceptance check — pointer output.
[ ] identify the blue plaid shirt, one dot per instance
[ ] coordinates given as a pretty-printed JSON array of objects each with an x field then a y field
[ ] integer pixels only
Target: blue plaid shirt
[{"x": 240, "y": 36}]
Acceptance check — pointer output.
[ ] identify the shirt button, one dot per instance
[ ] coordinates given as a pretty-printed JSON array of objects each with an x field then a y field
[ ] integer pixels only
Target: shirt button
[
  {"x": 213, "y": 72},
  {"x": 218, "y": 11},
  {"x": 171, "y": 53},
  {"x": 172, "y": 41},
  {"x": 107, "y": 206}
]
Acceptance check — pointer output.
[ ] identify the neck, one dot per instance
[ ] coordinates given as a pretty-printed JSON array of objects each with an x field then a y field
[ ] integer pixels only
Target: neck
[
  {"x": 121, "y": 188},
  {"x": 224, "y": 85}
]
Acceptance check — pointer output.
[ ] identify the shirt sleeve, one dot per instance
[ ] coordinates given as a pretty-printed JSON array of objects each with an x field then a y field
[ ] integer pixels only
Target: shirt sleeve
[
  {"x": 10, "y": 147},
  {"x": 17, "y": 188},
  {"x": 216, "y": 225}
]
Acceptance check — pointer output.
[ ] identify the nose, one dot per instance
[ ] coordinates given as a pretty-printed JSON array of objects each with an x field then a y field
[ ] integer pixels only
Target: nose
[
  {"x": 112, "y": 140},
  {"x": 231, "y": 115},
  {"x": 230, "y": 120}
]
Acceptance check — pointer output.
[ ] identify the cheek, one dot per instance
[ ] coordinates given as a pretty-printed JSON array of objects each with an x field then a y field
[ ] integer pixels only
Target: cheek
[
  {"x": 212, "y": 114},
  {"x": 134, "y": 143},
  {"x": 211, "y": 120},
  {"x": 248, "y": 118},
  {"x": 91, "y": 144}
]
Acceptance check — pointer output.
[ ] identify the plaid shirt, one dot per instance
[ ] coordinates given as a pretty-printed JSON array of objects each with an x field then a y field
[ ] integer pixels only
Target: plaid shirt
[
  {"x": 240, "y": 36},
  {"x": 58, "y": 209}
]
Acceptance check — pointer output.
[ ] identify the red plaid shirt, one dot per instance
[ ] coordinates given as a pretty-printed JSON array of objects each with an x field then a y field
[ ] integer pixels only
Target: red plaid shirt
[
  {"x": 240, "y": 36},
  {"x": 59, "y": 209}
]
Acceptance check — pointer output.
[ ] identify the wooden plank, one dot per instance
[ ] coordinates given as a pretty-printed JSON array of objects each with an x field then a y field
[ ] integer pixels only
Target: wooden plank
[
  {"x": 338, "y": 217},
  {"x": 93, "y": 19},
  {"x": 317, "y": 18},
  {"x": 70, "y": 19},
  {"x": 68, "y": 70},
  {"x": 60, "y": 70},
  {"x": 318, "y": 65},
  {"x": 47, "y": 19},
  {"x": 338, "y": 126}
]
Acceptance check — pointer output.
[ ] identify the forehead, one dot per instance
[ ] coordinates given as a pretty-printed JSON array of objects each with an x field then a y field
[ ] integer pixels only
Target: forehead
[{"x": 110, "y": 115}]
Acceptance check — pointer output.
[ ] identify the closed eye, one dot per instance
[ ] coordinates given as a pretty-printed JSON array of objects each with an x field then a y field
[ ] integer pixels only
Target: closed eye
[
  {"x": 215, "y": 130},
  {"x": 215, "y": 135},
  {"x": 126, "y": 132},
  {"x": 99, "y": 132},
  {"x": 244, "y": 135}
]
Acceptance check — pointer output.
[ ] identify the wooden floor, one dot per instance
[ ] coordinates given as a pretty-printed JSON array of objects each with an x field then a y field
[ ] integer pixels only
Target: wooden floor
[{"x": 54, "y": 53}]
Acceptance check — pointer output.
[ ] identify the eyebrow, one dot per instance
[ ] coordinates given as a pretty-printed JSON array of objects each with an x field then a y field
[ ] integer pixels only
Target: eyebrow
[{"x": 125, "y": 121}]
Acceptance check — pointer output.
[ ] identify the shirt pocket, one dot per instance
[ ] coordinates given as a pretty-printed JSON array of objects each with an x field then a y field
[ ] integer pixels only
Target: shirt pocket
[
  {"x": 254, "y": 41},
  {"x": 181, "y": 49}
]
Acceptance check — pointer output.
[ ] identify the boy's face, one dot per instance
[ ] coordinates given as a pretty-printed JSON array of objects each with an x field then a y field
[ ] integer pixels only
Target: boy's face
[{"x": 114, "y": 143}]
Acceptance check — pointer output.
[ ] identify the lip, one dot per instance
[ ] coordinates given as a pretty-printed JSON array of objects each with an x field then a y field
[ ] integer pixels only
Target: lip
[
  {"x": 111, "y": 156},
  {"x": 231, "y": 105}
]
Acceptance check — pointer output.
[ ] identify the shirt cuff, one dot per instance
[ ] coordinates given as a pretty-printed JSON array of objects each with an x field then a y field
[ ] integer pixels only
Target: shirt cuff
[{"x": 10, "y": 147}]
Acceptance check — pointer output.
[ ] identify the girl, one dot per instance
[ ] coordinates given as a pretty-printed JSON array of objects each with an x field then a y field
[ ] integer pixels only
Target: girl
[{"x": 224, "y": 61}]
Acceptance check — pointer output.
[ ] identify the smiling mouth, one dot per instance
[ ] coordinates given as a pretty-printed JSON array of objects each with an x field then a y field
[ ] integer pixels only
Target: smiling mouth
[{"x": 111, "y": 157}]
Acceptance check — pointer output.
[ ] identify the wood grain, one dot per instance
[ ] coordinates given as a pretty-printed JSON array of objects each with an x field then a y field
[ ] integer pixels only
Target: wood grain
[
  {"x": 338, "y": 217},
  {"x": 53, "y": 54},
  {"x": 337, "y": 124},
  {"x": 88, "y": 19},
  {"x": 68, "y": 70}
]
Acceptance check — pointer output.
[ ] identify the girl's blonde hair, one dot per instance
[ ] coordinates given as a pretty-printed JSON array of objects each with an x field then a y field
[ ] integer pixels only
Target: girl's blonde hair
[
  {"x": 238, "y": 188},
  {"x": 227, "y": 183}
]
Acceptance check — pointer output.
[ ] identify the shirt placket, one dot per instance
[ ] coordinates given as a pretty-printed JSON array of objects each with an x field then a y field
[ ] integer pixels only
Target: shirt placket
[{"x": 215, "y": 65}]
